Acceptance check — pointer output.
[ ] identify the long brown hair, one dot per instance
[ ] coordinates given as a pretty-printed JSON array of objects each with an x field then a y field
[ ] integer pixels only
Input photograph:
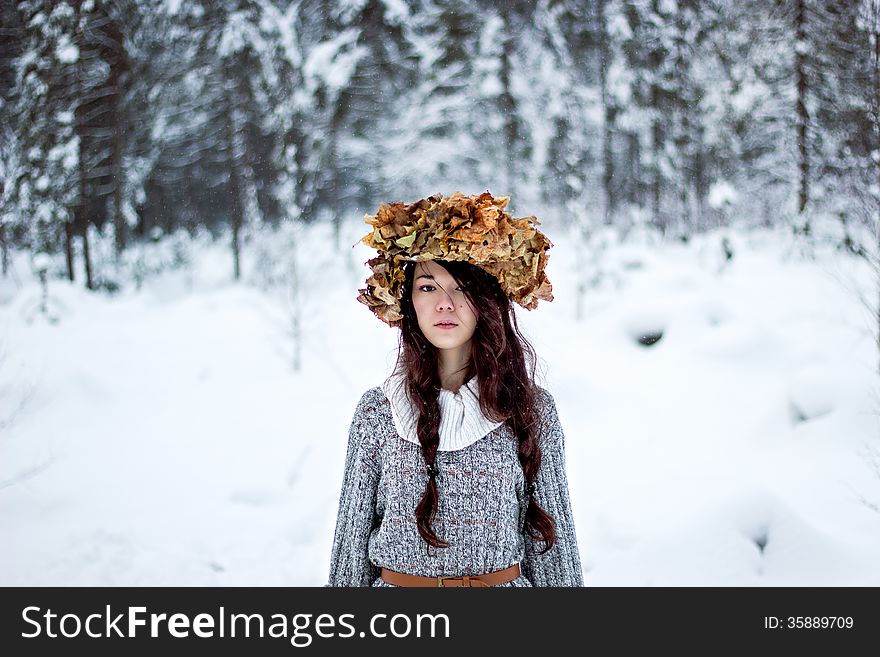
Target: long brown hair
[{"x": 504, "y": 363}]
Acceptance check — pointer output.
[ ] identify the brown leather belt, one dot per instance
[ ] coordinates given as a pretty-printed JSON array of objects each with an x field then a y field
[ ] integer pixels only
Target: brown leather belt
[{"x": 472, "y": 581}]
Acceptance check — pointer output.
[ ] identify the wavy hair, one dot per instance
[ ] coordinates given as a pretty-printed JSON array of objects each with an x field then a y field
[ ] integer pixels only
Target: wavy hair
[{"x": 504, "y": 363}]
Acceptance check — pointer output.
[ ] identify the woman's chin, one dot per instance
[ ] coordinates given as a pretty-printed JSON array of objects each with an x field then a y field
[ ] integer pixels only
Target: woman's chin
[{"x": 446, "y": 340}]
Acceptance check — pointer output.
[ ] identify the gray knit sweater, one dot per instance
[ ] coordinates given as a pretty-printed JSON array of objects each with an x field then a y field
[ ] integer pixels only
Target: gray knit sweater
[{"x": 481, "y": 507}]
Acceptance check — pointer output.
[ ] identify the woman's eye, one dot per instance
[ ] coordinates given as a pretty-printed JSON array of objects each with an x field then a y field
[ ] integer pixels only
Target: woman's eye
[{"x": 423, "y": 288}]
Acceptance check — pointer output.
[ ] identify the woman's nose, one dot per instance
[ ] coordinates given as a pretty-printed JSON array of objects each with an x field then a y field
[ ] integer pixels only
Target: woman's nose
[{"x": 445, "y": 301}]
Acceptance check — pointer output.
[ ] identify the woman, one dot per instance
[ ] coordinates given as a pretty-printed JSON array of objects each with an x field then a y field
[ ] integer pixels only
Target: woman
[{"x": 455, "y": 471}]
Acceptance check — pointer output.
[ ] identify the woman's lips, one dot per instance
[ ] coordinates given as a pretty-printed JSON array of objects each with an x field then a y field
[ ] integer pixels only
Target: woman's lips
[{"x": 446, "y": 326}]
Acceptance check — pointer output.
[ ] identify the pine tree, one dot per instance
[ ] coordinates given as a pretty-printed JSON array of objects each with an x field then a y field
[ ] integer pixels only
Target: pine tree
[
  {"x": 384, "y": 71},
  {"x": 806, "y": 74},
  {"x": 648, "y": 51},
  {"x": 45, "y": 190},
  {"x": 609, "y": 110},
  {"x": 571, "y": 160},
  {"x": 65, "y": 113},
  {"x": 216, "y": 131},
  {"x": 428, "y": 145},
  {"x": 498, "y": 122},
  {"x": 12, "y": 36}
]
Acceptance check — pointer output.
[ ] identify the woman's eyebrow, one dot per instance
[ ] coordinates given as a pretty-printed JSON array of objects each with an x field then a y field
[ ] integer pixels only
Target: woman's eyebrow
[{"x": 428, "y": 276}]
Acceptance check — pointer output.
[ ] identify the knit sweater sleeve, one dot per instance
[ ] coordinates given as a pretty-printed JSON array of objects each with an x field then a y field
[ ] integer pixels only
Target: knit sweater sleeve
[
  {"x": 561, "y": 565},
  {"x": 349, "y": 561}
]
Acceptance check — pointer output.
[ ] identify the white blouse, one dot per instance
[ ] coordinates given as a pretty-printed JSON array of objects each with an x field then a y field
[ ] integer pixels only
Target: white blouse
[{"x": 462, "y": 423}]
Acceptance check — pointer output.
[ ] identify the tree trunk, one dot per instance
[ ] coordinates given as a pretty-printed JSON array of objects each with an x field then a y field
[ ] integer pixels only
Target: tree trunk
[
  {"x": 682, "y": 124},
  {"x": 607, "y": 156},
  {"x": 81, "y": 220},
  {"x": 4, "y": 256},
  {"x": 87, "y": 260},
  {"x": 698, "y": 189},
  {"x": 115, "y": 71},
  {"x": 68, "y": 249},
  {"x": 508, "y": 110},
  {"x": 655, "y": 155},
  {"x": 234, "y": 187},
  {"x": 801, "y": 108},
  {"x": 874, "y": 17}
]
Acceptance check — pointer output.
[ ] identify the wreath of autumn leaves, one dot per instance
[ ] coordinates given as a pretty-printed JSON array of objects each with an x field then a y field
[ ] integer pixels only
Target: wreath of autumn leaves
[{"x": 474, "y": 229}]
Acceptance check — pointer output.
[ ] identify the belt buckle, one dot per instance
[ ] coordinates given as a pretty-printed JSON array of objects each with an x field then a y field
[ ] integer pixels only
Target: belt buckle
[
  {"x": 467, "y": 581},
  {"x": 442, "y": 585}
]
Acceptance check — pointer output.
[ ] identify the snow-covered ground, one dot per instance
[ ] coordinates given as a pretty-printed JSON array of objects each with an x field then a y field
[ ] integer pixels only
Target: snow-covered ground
[{"x": 162, "y": 437}]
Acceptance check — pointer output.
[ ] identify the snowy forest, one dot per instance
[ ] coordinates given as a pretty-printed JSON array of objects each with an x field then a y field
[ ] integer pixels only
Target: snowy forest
[
  {"x": 183, "y": 186},
  {"x": 130, "y": 120}
]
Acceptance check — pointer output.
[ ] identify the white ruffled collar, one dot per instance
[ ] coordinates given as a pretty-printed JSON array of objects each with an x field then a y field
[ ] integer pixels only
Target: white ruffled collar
[{"x": 462, "y": 423}]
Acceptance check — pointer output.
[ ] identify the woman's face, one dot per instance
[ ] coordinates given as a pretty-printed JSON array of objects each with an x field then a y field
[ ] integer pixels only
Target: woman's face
[{"x": 445, "y": 316}]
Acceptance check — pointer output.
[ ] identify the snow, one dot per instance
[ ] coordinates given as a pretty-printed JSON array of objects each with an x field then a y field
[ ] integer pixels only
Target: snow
[
  {"x": 239, "y": 33},
  {"x": 721, "y": 193},
  {"x": 42, "y": 261},
  {"x": 283, "y": 23},
  {"x": 490, "y": 86},
  {"x": 65, "y": 51},
  {"x": 172, "y": 7},
  {"x": 333, "y": 62},
  {"x": 38, "y": 20},
  {"x": 396, "y": 11},
  {"x": 67, "y": 54},
  {"x": 161, "y": 437}
]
